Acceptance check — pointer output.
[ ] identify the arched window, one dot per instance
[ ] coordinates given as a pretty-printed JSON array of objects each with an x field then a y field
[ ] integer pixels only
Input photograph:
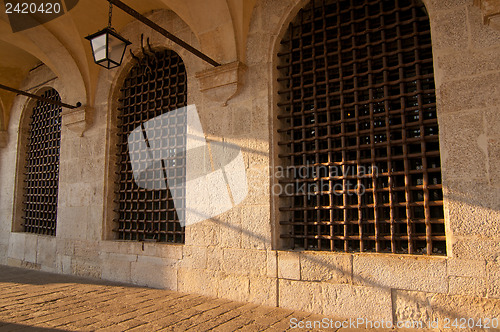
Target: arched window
[
  {"x": 157, "y": 84},
  {"x": 42, "y": 167},
  {"x": 358, "y": 129}
]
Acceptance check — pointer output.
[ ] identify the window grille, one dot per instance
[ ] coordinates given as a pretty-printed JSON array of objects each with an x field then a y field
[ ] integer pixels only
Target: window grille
[
  {"x": 155, "y": 85},
  {"x": 42, "y": 167},
  {"x": 358, "y": 130}
]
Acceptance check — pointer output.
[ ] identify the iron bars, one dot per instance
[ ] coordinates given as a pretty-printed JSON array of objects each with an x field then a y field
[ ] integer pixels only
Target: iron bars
[
  {"x": 42, "y": 166},
  {"x": 156, "y": 85},
  {"x": 358, "y": 118}
]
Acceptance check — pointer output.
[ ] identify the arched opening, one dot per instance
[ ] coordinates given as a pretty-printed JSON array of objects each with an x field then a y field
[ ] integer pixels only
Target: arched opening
[
  {"x": 41, "y": 180},
  {"x": 157, "y": 84},
  {"x": 358, "y": 131}
]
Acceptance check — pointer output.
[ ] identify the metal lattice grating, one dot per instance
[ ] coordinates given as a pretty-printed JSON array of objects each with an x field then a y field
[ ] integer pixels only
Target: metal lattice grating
[
  {"x": 156, "y": 85},
  {"x": 42, "y": 167},
  {"x": 358, "y": 116}
]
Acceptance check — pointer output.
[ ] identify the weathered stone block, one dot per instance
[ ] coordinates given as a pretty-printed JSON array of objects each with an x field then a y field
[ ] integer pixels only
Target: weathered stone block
[
  {"x": 16, "y": 246},
  {"x": 462, "y": 153},
  {"x": 95, "y": 221},
  {"x": 29, "y": 265},
  {"x": 258, "y": 156},
  {"x": 468, "y": 286},
  {"x": 157, "y": 260},
  {"x": 476, "y": 248},
  {"x": 289, "y": 265},
  {"x": 194, "y": 257},
  {"x": 257, "y": 42},
  {"x": 78, "y": 194},
  {"x": 493, "y": 158},
  {"x": 46, "y": 253},
  {"x": 489, "y": 8},
  {"x": 469, "y": 219},
  {"x": 205, "y": 233},
  {"x": 120, "y": 247},
  {"x": 154, "y": 272},
  {"x": 85, "y": 268},
  {"x": 492, "y": 116},
  {"x": 63, "y": 264},
  {"x": 217, "y": 42},
  {"x": 30, "y": 248},
  {"x": 263, "y": 291},
  {"x": 86, "y": 250},
  {"x": 14, "y": 262},
  {"x": 69, "y": 227},
  {"x": 272, "y": 263},
  {"x": 466, "y": 94},
  {"x": 258, "y": 186},
  {"x": 223, "y": 125},
  {"x": 347, "y": 301},
  {"x": 242, "y": 117},
  {"x": 110, "y": 257},
  {"x": 215, "y": 258},
  {"x": 64, "y": 247},
  {"x": 230, "y": 228},
  {"x": 433, "y": 5},
  {"x": 467, "y": 62},
  {"x": 472, "y": 192},
  {"x": 156, "y": 249},
  {"x": 90, "y": 148},
  {"x": 326, "y": 266},
  {"x": 171, "y": 251},
  {"x": 466, "y": 267},
  {"x": 117, "y": 267},
  {"x": 258, "y": 77},
  {"x": 244, "y": 261},
  {"x": 3, "y": 253},
  {"x": 198, "y": 281},
  {"x": 234, "y": 287},
  {"x": 449, "y": 29},
  {"x": 335, "y": 300},
  {"x": 260, "y": 117},
  {"x": 256, "y": 230},
  {"x": 493, "y": 273},
  {"x": 420, "y": 306},
  {"x": 410, "y": 273}
]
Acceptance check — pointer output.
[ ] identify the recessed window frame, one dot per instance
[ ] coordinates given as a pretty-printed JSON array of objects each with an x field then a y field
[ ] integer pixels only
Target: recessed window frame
[
  {"x": 165, "y": 228},
  {"x": 344, "y": 236}
]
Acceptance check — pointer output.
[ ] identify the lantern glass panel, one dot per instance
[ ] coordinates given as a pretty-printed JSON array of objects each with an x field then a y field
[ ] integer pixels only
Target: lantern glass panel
[
  {"x": 99, "y": 47},
  {"x": 116, "y": 49}
]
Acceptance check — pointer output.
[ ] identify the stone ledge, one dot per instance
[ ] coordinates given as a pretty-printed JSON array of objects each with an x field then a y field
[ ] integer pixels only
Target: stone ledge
[
  {"x": 221, "y": 83},
  {"x": 490, "y": 11},
  {"x": 418, "y": 306},
  {"x": 78, "y": 119},
  {"x": 409, "y": 273},
  {"x": 336, "y": 300}
]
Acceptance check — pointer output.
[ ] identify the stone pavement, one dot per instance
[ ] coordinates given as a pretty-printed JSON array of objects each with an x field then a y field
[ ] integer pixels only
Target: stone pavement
[{"x": 39, "y": 301}]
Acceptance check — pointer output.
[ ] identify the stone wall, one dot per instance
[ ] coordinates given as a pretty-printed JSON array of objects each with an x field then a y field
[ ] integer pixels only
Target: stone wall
[{"x": 237, "y": 255}]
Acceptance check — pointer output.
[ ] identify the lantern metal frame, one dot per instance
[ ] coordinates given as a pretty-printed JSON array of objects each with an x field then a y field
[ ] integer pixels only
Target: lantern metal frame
[{"x": 107, "y": 32}]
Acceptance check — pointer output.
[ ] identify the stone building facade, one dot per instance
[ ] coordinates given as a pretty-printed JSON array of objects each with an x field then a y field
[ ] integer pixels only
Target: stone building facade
[{"x": 241, "y": 253}]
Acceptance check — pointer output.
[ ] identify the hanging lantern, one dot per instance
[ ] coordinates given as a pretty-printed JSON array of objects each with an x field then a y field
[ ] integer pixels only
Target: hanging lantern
[{"x": 108, "y": 47}]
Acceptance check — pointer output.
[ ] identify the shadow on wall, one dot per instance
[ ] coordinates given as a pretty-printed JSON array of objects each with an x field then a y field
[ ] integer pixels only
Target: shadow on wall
[
  {"x": 411, "y": 296},
  {"x": 409, "y": 299},
  {"x": 12, "y": 326},
  {"x": 18, "y": 275}
]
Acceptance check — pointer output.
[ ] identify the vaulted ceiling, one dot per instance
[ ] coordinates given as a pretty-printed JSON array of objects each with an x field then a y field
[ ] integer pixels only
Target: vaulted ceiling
[{"x": 61, "y": 45}]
